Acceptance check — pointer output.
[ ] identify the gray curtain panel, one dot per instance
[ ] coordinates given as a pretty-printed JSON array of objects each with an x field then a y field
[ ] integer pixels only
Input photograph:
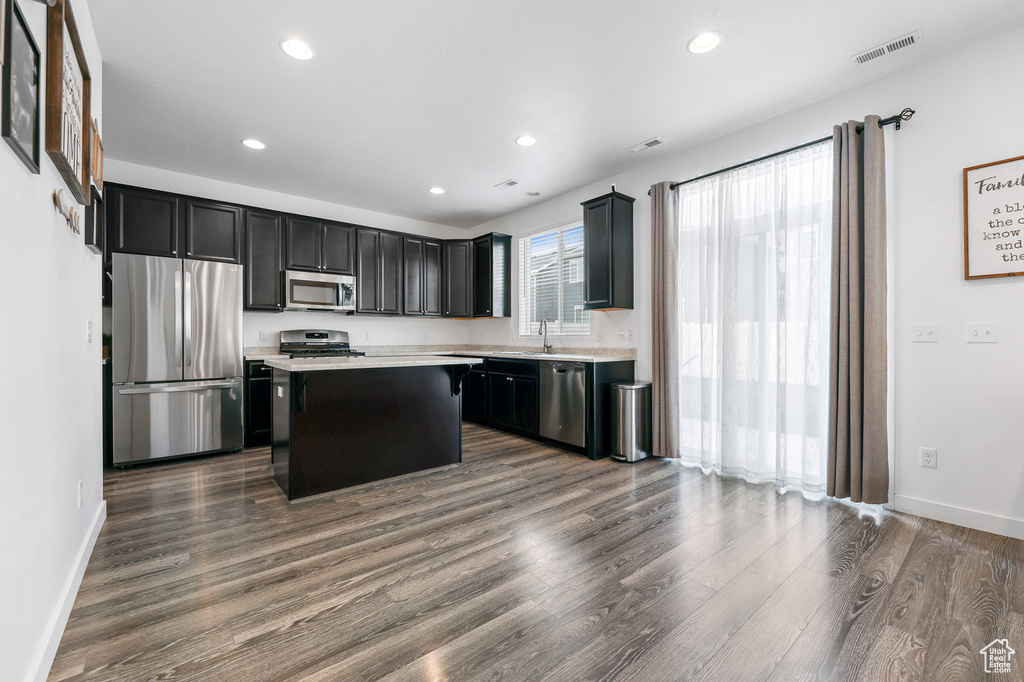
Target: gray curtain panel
[
  {"x": 858, "y": 464},
  {"x": 665, "y": 300}
]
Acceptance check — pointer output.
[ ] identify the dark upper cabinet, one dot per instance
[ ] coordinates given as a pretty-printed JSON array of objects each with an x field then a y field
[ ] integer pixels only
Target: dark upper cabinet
[
  {"x": 143, "y": 221},
  {"x": 337, "y": 248},
  {"x": 378, "y": 271},
  {"x": 492, "y": 262},
  {"x": 302, "y": 244},
  {"x": 213, "y": 231},
  {"x": 319, "y": 246},
  {"x": 421, "y": 275},
  {"x": 456, "y": 287},
  {"x": 264, "y": 259},
  {"x": 608, "y": 252}
]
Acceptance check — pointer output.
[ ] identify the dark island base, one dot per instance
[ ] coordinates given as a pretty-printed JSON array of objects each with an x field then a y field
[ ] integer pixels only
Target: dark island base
[{"x": 339, "y": 428}]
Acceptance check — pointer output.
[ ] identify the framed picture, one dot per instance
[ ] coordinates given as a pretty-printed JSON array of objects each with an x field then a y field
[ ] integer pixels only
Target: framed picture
[
  {"x": 94, "y": 226},
  {"x": 994, "y": 219},
  {"x": 20, "y": 119},
  {"x": 3, "y": 32},
  {"x": 68, "y": 92},
  {"x": 96, "y": 156}
]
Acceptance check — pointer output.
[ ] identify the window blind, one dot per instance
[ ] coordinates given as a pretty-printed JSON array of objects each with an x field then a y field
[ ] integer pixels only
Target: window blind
[{"x": 551, "y": 282}]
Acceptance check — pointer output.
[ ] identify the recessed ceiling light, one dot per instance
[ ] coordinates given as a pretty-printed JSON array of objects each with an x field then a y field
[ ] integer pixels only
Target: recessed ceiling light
[
  {"x": 298, "y": 49},
  {"x": 704, "y": 42},
  {"x": 533, "y": 194},
  {"x": 254, "y": 144},
  {"x": 526, "y": 140},
  {"x": 437, "y": 190}
]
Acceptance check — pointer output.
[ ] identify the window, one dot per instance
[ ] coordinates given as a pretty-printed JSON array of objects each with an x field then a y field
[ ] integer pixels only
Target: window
[
  {"x": 754, "y": 252},
  {"x": 551, "y": 282}
]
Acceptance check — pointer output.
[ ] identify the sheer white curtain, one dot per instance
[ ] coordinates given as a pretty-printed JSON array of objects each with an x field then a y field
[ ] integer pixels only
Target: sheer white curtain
[{"x": 754, "y": 249}]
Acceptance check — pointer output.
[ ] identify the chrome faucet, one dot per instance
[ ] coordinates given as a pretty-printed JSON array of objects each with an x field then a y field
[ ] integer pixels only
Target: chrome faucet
[{"x": 543, "y": 329}]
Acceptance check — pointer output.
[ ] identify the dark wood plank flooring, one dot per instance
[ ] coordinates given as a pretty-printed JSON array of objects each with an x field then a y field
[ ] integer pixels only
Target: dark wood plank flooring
[{"x": 527, "y": 563}]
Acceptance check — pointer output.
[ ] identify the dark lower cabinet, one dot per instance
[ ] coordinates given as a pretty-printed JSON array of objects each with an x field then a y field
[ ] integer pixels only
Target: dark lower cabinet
[
  {"x": 263, "y": 260},
  {"x": 474, "y": 396},
  {"x": 504, "y": 394},
  {"x": 512, "y": 394},
  {"x": 258, "y": 403}
]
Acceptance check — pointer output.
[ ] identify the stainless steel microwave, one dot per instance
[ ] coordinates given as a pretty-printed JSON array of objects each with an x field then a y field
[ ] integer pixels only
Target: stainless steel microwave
[{"x": 319, "y": 291}]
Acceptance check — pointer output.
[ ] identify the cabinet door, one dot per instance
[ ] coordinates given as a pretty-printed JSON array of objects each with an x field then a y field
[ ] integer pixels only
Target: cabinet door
[
  {"x": 431, "y": 277},
  {"x": 474, "y": 397},
  {"x": 482, "y": 275},
  {"x": 390, "y": 245},
  {"x": 302, "y": 244},
  {"x": 413, "y": 258},
  {"x": 524, "y": 404},
  {"x": 258, "y": 400},
  {"x": 338, "y": 248},
  {"x": 213, "y": 231},
  {"x": 263, "y": 260},
  {"x": 145, "y": 222},
  {"x": 597, "y": 262},
  {"x": 457, "y": 288},
  {"x": 367, "y": 271},
  {"x": 499, "y": 394}
]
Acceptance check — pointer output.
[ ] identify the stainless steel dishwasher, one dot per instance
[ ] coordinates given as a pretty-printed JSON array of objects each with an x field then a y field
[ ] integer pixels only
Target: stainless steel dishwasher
[{"x": 563, "y": 401}]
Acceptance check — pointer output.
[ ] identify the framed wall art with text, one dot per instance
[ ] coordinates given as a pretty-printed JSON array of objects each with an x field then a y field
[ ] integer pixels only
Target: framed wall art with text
[
  {"x": 68, "y": 93},
  {"x": 994, "y": 219}
]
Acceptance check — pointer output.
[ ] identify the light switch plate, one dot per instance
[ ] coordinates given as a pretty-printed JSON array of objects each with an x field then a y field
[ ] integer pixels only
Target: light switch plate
[
  {"x": 982, "y": 332},
  {"x": 926, "y": 332}
]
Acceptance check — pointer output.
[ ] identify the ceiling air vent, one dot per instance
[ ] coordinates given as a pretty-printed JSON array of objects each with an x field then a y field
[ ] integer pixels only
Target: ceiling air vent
[
  {"x": 888, "y": 48},
  {"x": 653, "y": 142},
  {"x": 506, "y": 184}
]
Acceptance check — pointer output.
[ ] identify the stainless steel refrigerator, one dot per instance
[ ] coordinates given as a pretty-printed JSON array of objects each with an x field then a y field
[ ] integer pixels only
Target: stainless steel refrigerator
[{"x": 177, "y": 357}]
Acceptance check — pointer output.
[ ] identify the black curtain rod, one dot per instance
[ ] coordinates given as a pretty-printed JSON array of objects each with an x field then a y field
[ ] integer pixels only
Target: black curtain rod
[{"x": 904, "y": 115}]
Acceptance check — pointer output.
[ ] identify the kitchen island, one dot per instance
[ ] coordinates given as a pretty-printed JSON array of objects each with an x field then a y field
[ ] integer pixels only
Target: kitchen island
[{"x": 339, "y": 422}]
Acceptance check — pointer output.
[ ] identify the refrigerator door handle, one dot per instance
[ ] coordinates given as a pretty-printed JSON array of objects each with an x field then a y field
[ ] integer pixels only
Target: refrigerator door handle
[
  {"x": 180, "y": 388},
  {"x": 188, "y": 318},
  {"x": 177, "y": 318}
]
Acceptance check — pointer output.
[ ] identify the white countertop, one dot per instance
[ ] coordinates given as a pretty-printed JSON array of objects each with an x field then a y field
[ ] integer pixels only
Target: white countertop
[{"x": 320, "y": 364}]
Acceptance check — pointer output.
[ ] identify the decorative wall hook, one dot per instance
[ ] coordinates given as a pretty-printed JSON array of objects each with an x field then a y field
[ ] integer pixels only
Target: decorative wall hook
[{"x": 66, "y": 211}]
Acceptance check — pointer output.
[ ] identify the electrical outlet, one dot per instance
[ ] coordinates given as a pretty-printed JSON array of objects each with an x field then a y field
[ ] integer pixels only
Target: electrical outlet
[
  {"x": 264, "y": 335},
  {"x": 622, "y": 335},
  {"x": 369, "y": 336},
  {"x": 600, "y": 335},
  {"x": 929, "y": 458},
  {"x": 81, "y": 495},
  {"x": 88, "y": 332}
]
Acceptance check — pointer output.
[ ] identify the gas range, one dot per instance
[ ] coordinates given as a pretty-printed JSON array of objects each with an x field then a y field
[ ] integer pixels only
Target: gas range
[{"x": 316, "y": 343}]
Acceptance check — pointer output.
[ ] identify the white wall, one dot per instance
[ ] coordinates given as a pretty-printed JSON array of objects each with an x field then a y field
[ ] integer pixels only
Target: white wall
[
  {"x": 50, "y": 408},
  {"x": 962, "y": 399}
]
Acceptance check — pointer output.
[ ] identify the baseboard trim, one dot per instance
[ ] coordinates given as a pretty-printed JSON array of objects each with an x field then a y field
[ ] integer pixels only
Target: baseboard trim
[
  {"x": 44, "y": 659},
  {"x": 969, "y": 518}
]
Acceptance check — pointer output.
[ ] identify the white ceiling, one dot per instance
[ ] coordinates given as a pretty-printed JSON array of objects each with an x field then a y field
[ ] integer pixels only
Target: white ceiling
[{"x": 403, "y": 95}]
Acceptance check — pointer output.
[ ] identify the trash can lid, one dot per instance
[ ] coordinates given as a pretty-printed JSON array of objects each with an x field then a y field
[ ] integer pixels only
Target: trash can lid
[{"x": 630, "y": 385}]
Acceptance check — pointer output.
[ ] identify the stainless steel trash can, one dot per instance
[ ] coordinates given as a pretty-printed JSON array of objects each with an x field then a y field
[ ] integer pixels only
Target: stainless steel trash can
[{"x": 631, "y": 420}]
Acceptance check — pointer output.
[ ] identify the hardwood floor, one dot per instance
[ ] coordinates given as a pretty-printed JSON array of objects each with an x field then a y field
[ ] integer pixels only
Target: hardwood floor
[{"x": 527, "y": 563}]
